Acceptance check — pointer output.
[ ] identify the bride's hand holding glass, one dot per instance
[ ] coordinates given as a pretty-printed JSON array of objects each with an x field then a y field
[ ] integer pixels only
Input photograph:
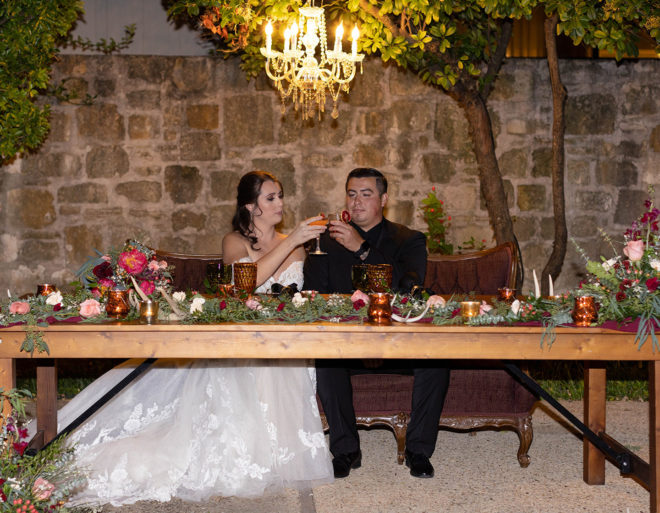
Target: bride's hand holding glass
[{"x": 308, "y": 229}]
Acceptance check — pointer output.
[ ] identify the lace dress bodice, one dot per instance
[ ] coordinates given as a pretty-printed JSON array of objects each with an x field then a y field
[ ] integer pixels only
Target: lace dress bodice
[{"x": 289, "y": 276}]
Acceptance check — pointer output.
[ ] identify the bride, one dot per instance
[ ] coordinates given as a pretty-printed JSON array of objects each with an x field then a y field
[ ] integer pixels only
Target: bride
[{"x": 193, "y": 429}]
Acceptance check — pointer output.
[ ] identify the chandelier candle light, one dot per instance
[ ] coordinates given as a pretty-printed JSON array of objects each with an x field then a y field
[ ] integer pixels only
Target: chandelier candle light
[{"x": 298, "y": 74}]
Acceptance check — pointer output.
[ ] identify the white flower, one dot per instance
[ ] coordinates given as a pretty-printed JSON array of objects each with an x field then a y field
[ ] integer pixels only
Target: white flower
[
  {"x": 298, "y": 300},
  {"x": 179, "y": 296},
  {"x": 655, "y": 264},
  {"x": 197, "y": 304},
  {"x": 434, "y": 301},
  {"x": 607, "y": 265},
  {"x": 515, "y": 307},
  {"x": 54, "y": 298}
]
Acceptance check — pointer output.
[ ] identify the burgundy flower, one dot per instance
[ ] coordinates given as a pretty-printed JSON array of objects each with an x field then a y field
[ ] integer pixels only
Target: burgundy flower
[
  {"x": 620, "y": 296},
  {"x": 652, "y": 284},
  {"x": 404, "y": 300},
  {"x": 57, "y": 307},
  {"x": 280, "y": 307},
  {"x": 20, "y": 447},
  {"x": 147, "y": 287},
  {"x": 455, "y": 312},
  {"x": 358, "y": 304},
  {"x": 103, "y": 270},
  {"x": 3, "y": 497},
  {"x": 223, "y": 304}
]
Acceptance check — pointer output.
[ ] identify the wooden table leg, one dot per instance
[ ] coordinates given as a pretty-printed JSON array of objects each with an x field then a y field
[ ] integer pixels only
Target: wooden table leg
[
  {"x": 47, "y": 399},
  {"x": 594, "y": 417},
  {"x": 654, "y": 434},
  {"x": 7, "y": 379}
]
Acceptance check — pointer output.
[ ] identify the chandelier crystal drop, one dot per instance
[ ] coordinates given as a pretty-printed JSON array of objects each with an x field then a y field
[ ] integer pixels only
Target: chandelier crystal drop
[{"x": 306, "y": 75}]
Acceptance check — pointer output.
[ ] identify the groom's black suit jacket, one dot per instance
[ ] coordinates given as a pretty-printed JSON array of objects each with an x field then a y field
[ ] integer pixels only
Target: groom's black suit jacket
[{"x": 391, "y": 243}]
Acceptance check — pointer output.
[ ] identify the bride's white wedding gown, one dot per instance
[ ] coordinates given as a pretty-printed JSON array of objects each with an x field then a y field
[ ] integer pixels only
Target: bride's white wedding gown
[{"x": 199, "y": 428}]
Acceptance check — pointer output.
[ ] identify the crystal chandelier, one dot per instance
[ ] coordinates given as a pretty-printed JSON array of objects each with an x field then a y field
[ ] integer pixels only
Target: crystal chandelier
[{"x": 299, "y": 74}]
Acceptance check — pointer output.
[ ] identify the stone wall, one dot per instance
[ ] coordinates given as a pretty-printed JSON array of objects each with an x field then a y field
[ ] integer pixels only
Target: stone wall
[{"x": 159, "y": 152}]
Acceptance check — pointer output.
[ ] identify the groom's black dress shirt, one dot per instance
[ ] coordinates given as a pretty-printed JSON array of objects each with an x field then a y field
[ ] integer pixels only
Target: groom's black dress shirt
[{"x": 390, "y": 243}]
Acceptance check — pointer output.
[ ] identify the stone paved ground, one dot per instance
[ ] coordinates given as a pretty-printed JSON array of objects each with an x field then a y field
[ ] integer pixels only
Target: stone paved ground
[{"x": 473, "y": 474}]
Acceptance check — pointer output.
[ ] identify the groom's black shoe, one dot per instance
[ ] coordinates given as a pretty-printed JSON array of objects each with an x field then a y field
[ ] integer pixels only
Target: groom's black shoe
[
  {"x": 419, "y": 465},
  {"x": 343, "y": 463}
]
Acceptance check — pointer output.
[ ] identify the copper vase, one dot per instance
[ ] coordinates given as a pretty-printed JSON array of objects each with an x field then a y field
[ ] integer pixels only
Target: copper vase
[
  {"x": 45, "y": 289},
  {"x": 380, "y": 309},
  {"x": 585, "y": 312},
  {"x": 117, "y": 305},
  {"x": 506, "y": 295}
]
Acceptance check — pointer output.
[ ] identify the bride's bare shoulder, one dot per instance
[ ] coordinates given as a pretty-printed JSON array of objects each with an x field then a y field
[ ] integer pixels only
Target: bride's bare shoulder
[{"x": 234, "y": 246}]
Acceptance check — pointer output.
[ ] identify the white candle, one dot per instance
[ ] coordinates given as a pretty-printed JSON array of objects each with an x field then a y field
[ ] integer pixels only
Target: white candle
[
  {"x": 339, "y": 33},
  {"x": 294, "y": 36},
  {"x": 537, "y": 289},
  {"x": 355, "y": 34},
  {"x": 269, "y": 38},
  {"x": 287, "y": 35},
  {"x": 552, "y": 289}
]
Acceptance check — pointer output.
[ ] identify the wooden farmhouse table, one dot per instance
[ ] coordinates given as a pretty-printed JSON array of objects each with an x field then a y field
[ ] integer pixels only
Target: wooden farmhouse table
[{"x": 593, "y": 346}]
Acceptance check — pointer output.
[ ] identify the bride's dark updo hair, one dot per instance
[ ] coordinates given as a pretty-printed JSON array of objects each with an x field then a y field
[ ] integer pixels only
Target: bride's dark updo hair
[{"x": 247, "y": 193}]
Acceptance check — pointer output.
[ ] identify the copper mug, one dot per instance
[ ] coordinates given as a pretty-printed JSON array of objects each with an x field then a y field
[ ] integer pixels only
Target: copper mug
[
  {"x": 117, "y": 305},
  {"x": 585, "y": 312},
  {"x": 45, "y": 289},
  {"x": 380, "y": 309}
]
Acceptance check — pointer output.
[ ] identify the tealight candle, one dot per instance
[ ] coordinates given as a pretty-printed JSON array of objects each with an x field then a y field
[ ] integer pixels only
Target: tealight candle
[{"x": 469, "y": 309}]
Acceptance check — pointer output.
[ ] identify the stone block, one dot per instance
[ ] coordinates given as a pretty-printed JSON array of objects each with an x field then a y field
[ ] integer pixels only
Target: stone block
[
  {"x": 525, "y": 227},
  {"x": 321, "y": 160},
  {"x": 32, "y": 207},
  {"x": 412, "y": 115},
  {"x": 641, "y": 100},
  {"x": 407, "y": 83},
  {"x": 74, "y": 88},
  {"x": 142, "y": 191},
  {"x": 200, "y": 146},
  {"x": 182, "y": 219},
  {"x": 228, "y": 75},
  {"x": 104, "y": 87},
  {"x": 220, "y": 219},
  {"x": 100, "y": 121},
  {"x": 8, "y": 248},
  {"x": 146, "y": 99},
  {"x": 209, "y": 243},
  {"x": 282, "y": 168},
  {"x": 69, "y": 210},
  {"x": 401, "y": 211},
  {"x": 401, "y": 153},
  {"x": 224, "y": 184},
  {"x": 149, "y": 68},
  {"x": 438, "y": 168},
  {"x": 590, "y": 114},
  {"x": 598, "y": 201},
  {"x": 102, "y": 214},
  {"x": 542, "y": 158},
  {"x": 80, "y": 242},
  {"x": 60, "y": 126},
  {"x": 367, "y": 87},
  {"x": 202, "y": 117},
  {"x": 531, "y": 197},
  {"x": 248, "y": 120},
  {"x": 41, "y": 165},
  {"x": 621, "y": 174},
  {"x": 517, "y": 127},
  {"x": 327, "y": 132},
  {"x": 513, "y": 163},
  {"x": 504, "y": 87},
  {"x": 548, "y": 228},
  {"x": 451, "y": 129},
  {"x": 82, "y": 193},
  {"x": 38, "y": 251},
  {"x": 373, "y": 122},
  {"x": 654, "y": 140},
  {"x": 583, "y": 226},
  {"x": 367, "y": 155},
  {"x": 629, "y": 206},
  {"x": 106, "y": 162},
  {"x": 142, "y": 127},
  {"x": 174, "y": 243},
  {"x": 183, "y": 183},
  {"x": 192, "y": 74},
  {"x": 577, "y": 172}
]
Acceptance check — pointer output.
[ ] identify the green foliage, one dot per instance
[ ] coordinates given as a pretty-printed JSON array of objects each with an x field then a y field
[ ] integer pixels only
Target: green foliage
[
  {"x": 29, "y": 35},
  {"x": 103, "y": 46},
  {"x": 437, "y": 223}
]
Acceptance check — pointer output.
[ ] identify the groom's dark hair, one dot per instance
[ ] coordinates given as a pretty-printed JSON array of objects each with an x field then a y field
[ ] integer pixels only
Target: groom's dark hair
[{"x": 369, "y": 172}]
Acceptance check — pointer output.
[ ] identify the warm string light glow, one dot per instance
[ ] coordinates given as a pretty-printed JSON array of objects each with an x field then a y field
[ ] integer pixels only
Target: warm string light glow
[{"x": 299, "y": 74}]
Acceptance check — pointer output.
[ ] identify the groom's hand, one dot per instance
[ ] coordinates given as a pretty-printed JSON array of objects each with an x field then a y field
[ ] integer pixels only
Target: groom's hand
[{"x": 346, "y": 235}]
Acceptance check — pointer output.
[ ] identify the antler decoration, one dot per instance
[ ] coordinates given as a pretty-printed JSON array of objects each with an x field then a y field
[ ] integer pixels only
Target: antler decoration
[
  {"x": 175, "y": 309},
  {"x": 398, "y": 318}
]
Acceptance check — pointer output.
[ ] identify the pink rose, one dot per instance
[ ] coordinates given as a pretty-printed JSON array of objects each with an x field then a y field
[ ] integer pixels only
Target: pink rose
[
  {"x": 436, "y": 301},
  {"x": 19, "y": 307},
  {"x": 634, "y": 250},
  {"x": 147, "y": 287},
  {"x": 133, "y": 261},
  {"x": 42, "y": 489},
  {"x": 484, "y": 307},
  {"x": 104, "y": 282},
  {"x": 253, "y": 304},
  {"x": 359, "y": 295},
  {"x": 90, "y": 308},
  {"x": 162, "y": 264},
  {"x": 153, "y": 266}
]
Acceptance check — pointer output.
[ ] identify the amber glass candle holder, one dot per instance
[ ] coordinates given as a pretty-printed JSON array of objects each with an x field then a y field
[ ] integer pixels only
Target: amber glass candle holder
[
  {"x": 379, "y": 277},
  {"x": 585, "y": 311},
  {"x": 506, "y": 294},
  {"x": 469, "y": 309},
  {"x": 45, "y": 289},
  {"x": 245, "y": 276},
  {"x": 117, "y": 305},
  {"x": 359, "y": 276},
  {"x": 148, "y": 311},
  {"x": 380, "y": 308}
]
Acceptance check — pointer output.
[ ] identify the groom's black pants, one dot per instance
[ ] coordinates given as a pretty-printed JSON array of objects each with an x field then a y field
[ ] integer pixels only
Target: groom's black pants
[{"x": 336, "y": 394}]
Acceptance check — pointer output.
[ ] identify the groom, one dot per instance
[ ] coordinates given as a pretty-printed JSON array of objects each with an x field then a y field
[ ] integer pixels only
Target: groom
[{"x": 371, "y": 239}]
